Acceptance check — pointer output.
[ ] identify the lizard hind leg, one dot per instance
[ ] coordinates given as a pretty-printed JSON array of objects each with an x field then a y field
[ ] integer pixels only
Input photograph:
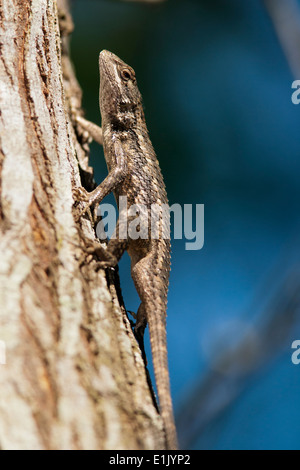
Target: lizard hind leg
[{"x": 111, "y": 254}]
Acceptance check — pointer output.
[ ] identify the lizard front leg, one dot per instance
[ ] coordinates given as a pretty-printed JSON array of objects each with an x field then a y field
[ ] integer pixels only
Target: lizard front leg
[
  {"x": 94, "y": 130},
  {"x": 113, "y": 179}
]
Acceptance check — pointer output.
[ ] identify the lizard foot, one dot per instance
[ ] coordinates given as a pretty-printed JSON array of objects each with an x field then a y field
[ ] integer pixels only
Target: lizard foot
[
  {"x": 107, "y": 260},
  {"x": 80, "y": 194},
  {"x": 88, "y": 199},
  {"x": 104, "y": 265}
]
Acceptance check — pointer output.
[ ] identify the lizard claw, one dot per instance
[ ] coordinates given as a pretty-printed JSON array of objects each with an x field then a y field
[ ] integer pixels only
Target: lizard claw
[
  {"x": 107, "y": 260},
  {"x": 80, "y": 194},
  {"x": 104, "y": 265},
  {"x": 79, "y": 211}
]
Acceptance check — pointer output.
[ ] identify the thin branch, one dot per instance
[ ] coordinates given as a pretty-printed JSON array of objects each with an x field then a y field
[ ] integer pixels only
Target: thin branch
[
  {"x": 234, "y": 367},
  {"x": 285, "y": 16}
]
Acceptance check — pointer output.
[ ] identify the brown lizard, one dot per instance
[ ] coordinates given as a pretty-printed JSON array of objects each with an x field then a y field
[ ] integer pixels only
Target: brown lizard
[{"x": 134, "y": 172}]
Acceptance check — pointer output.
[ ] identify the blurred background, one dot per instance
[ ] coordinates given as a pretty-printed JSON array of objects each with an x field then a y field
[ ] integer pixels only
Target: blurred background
[{"x": 216, "y": 77}]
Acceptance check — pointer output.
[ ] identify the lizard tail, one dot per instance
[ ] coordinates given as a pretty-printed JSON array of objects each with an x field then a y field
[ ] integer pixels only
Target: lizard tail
[
  {"x": 161, "y": 371},
  {"x": 153, "y": 291}
]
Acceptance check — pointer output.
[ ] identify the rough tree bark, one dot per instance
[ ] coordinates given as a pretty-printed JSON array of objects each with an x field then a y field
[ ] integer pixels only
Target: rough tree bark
[{"x": 74, "y": 377}]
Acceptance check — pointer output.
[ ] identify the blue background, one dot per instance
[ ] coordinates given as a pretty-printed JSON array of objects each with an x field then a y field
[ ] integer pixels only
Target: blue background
[{"x": 217, "y": 94}]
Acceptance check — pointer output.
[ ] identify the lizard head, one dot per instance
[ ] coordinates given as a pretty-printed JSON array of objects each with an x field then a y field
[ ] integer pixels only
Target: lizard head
[{"x": 120, "y": 99}]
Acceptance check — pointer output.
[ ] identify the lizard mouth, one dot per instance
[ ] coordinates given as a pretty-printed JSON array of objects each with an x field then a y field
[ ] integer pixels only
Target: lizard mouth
[
  {"x": 103, "y": 63},
  {"x": 107, "y": 56},
  {"x": 108, "y": 67},
  {"x": 108, "y": 61}
]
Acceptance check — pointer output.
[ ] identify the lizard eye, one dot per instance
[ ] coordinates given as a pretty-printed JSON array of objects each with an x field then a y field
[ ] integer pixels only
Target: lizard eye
[{"x": 126, "y": 74}]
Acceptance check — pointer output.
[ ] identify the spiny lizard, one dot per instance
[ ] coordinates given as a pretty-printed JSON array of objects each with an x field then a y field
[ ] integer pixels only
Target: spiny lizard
[{"x": 134, "y": 172}]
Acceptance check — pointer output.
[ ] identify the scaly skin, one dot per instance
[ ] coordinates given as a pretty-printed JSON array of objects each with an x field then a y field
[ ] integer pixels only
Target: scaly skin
[{"x": 134, "y": 172}]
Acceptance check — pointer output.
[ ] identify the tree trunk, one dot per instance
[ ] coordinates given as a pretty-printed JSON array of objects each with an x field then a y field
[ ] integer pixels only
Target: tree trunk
[{"x": 71, "y": 376}]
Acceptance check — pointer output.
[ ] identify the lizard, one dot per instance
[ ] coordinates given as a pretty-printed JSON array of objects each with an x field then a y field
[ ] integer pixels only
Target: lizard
[{"x": 134, "y": 172}]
